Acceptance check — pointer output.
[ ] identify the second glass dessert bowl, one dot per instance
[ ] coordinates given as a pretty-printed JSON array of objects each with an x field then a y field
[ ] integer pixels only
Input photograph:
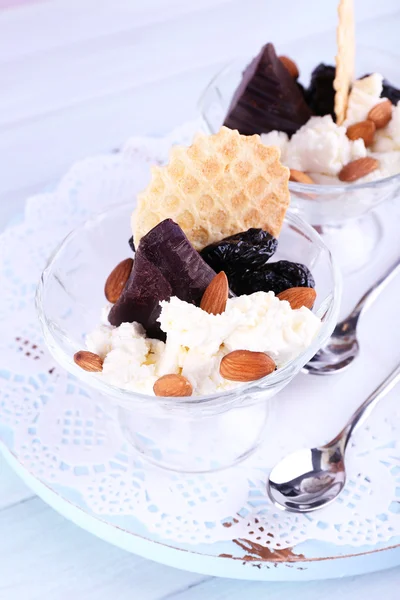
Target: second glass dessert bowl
[
  {"x": 342, "y": 214},
  {"x": 193, "y": 434}
]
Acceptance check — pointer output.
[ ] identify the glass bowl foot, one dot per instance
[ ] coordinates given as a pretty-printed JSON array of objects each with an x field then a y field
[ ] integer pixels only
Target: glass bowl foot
[{"x": 354, "y": 244}]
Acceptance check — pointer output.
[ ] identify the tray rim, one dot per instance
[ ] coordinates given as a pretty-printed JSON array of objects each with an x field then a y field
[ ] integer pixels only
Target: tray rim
[{"x": 207, "y": 564}]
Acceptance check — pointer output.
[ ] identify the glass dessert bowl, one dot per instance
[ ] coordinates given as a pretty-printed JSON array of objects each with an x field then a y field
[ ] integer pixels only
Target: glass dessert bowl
[
  {"x": 186, "y": 434},
  {"x": 341, "y": 213}
]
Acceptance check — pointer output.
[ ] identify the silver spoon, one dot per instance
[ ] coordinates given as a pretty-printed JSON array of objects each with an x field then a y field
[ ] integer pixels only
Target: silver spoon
[
  {"x": 342, "y": 347},
  {"x": 310, "y": 479}
]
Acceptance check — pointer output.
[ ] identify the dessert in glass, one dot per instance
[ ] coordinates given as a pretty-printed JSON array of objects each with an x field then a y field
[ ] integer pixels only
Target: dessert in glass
[
  {"x": 339, "y": 173},
  {"x": 220, "y": 300}
]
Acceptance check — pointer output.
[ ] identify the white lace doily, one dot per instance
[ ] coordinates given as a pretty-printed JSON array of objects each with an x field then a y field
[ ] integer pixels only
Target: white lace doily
[{"x": 66, "y": 437}]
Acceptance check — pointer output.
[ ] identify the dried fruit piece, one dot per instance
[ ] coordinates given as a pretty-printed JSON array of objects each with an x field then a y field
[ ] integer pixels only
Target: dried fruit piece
[
  {"x": 358, "y": 168},
  {"x": 88, "y": 361},
  {"x": 244, "y": 365},
  {"x": 290, "y": 65},
  {"x": 390, "y": 92},
  {"x": 237, "y": 253},
  {"x": 173, "y": 385},
  {"x": 381, "y": 114},
  {"x": 216, "y": 295},
  {"x": 300, "y": 177},
  {"x": 320, "y": 95},
  {"x": 131, "y": 244},
  {"x": 271, "y": 277},
  {"x": 299, "y": 296},
  {"x": 267, "y": 98},
  {"x": 364, "y": 130},
  {"x": 117, "y": 279}
]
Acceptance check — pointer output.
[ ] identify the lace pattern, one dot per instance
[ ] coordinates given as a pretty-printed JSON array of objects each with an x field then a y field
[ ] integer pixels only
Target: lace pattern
[{"x": 66, "y": 435}]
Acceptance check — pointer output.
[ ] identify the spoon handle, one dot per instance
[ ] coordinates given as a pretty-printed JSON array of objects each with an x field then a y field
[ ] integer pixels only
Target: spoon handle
[
  {"x": 368, "y": 405},
  {"x": 374, "y": 291}
]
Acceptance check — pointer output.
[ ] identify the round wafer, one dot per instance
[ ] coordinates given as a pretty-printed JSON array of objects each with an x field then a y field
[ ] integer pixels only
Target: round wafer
[{"x": 220, "y": 185}]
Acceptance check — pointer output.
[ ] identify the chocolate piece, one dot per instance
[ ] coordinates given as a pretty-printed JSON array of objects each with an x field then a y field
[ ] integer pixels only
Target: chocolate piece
[
  {"x": 144, "y": 290},
  {"x": 321, "y": 94},
  {"x": 165, "y": 265},
  {"x": 267, "y": 98},
  {"x": 302, "y": 91},
  {"x": 131, "y": 244}
]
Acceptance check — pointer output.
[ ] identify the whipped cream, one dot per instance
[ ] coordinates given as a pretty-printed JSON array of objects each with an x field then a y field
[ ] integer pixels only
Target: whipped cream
[
  {"x": 197, "y": 341},
  {"x": 129, "y": 357},
  {"x": 279, "y": 139},
  {"x": 322, "y": 146},
  {"x": 364, "y": 95}
]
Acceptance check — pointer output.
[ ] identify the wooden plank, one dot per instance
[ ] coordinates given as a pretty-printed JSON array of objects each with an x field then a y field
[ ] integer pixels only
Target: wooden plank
[
  {"x": 39, "y": 30},
  {"x": 86, "y": 19},
  {"x": 378, "y": 585},
  {"x": 41, "y": 150},
  {"x": 102, "y": 123},
  {"x": 56, "y": 77},
  {"x": 69, "y": 128},
  {"x": 44, "y": 556},
  {"x": 12, "y": 488}
]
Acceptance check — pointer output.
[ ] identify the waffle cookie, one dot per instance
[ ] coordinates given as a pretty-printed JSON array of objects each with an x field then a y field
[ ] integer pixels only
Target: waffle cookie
[
  {"x": 344, "y": 58},
  {"x": 220, "y": 185}
]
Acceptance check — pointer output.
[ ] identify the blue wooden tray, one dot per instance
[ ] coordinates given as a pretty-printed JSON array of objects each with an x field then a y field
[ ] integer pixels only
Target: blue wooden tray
[{"x": 314, "y": 560}]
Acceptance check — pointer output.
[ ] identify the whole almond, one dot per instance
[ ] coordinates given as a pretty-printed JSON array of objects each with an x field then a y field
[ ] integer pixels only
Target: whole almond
[
  {"x": 244, "y": 365},
  {"x": 381, "y": 114},
  {"x": 364, "y": 130},
  {"x": 173, "y": 385},
  {"x": 88, "y": 361},
  {"x": 290, "y": 66},
  {"x": 299, "y": 296},
  {"x": 117, "y": 279},
  {"x": 358, "y": 168},
  {"x": 300, "y": 177},
  {"x": 216, "y": 295}
]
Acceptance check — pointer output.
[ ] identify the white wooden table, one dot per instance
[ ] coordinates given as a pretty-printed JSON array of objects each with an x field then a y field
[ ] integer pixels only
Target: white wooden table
[{"x": 77, "y": 77}]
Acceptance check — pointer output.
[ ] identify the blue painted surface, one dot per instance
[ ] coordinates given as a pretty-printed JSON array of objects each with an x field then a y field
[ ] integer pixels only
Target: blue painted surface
[{"x": 129, "y": 534}]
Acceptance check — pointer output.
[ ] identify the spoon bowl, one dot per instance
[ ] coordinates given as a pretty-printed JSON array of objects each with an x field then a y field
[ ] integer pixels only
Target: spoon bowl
[
  {"x": 338, "y": 354},
  {"x": 342, "y": 347},
  {"x": 308, "y": 480}
]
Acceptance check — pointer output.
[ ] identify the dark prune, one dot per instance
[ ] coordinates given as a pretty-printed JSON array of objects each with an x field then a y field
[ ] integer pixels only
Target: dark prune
[
  {"x": 275, "y": 277},
  {"x": 321, "y": 95},
  {"x": 131, "y": 244},
  {"x": 249, "y": 249},
  {"x": 390, "y": 92}
]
